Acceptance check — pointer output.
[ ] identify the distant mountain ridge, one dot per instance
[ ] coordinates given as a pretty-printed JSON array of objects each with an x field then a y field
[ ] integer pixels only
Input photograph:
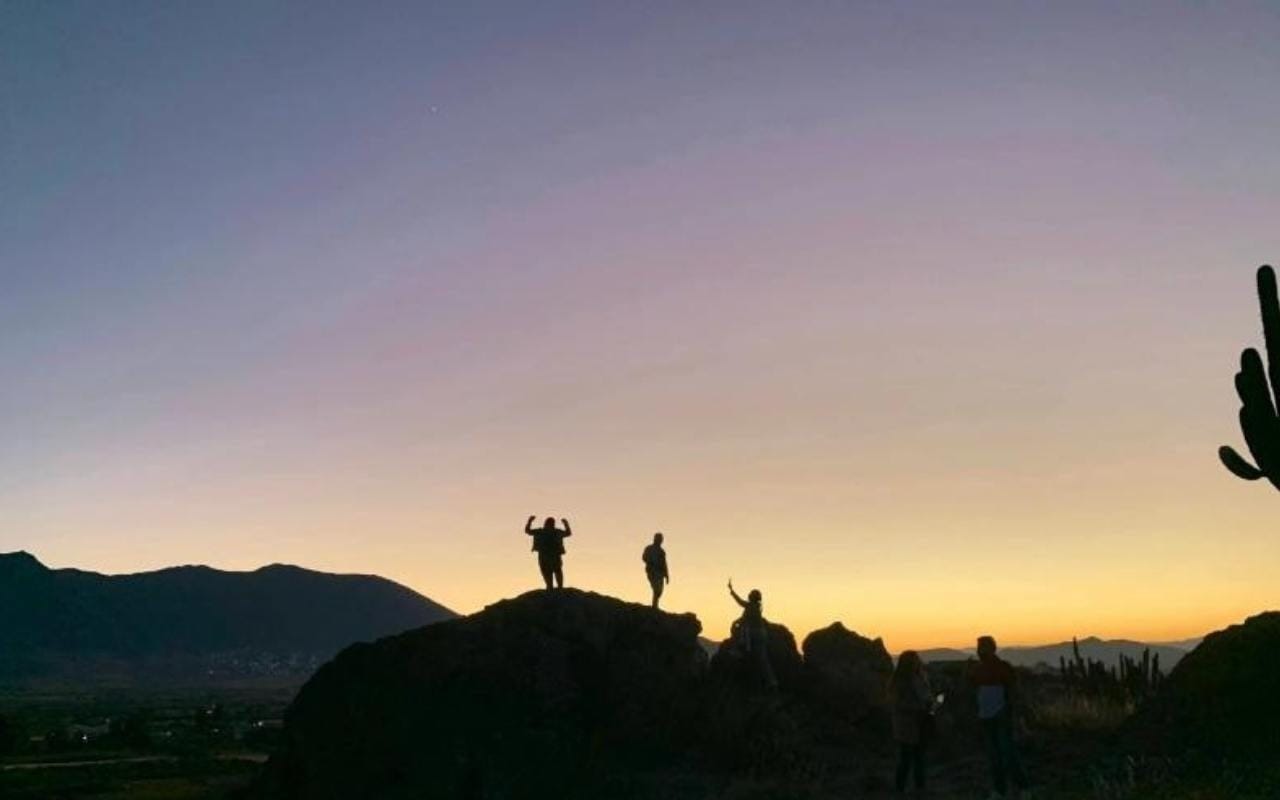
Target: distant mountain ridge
[
  {"x": 190, "y": 622},
  {"x": 1107, "y": 651}
]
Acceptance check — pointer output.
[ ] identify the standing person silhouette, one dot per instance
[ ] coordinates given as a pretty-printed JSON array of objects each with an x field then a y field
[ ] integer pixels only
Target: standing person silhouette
[
  {"x": 548, "y": 543},
  {"x": 752, "y": 624},
  {"x": 655, "y": 567},
  {"x": 912, "y": 703},
  {"x": 994, "y": 680}
]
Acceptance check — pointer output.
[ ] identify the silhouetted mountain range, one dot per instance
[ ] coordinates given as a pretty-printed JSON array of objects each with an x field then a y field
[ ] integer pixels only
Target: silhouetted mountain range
[
  {"x": 191, "y": 622},
  {"x": 1107, "y": 651}
]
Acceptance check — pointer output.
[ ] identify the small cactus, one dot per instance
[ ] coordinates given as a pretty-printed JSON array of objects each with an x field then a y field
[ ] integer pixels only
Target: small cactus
[{"x": 1258, "y": 418}]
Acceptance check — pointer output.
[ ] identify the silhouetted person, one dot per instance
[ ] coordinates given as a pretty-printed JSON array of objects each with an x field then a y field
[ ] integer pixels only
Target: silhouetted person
[
  {"x": 912, "y": 701},
  {"x": 548, "y": 543},
  {"x": 655, "y": 567},
  {"x": 995, "y": 681},
  {"x": 753, "y": 633}
]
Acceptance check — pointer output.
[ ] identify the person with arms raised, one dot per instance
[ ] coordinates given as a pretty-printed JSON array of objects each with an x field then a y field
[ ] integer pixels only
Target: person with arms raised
[{"x": 548, "y": 543}]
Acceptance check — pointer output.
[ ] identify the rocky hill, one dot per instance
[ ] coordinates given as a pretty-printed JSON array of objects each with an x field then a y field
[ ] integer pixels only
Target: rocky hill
[
  {"x": 570, "y": 694},
  {"x": 561, "y": 694}
]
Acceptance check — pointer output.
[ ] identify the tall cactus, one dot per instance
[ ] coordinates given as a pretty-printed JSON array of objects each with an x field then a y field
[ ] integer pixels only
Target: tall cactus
[{"x": 1258, "y": 418}]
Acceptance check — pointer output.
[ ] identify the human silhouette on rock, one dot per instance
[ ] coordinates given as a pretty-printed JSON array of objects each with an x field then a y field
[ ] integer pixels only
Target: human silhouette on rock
[
  {"x": 994, "y": 680},
  {"x": 655, "y": 567},
  {"x": 752, "y": 635},
  {"x": 548, "y": 543},
  {"x": 913, "y": 706}
]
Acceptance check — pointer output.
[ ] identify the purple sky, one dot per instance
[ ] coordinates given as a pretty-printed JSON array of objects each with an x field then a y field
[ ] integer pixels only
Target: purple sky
[{"x": 919, "y": 316}]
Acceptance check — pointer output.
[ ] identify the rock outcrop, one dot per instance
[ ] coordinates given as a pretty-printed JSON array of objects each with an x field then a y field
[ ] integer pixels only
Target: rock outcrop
[
  {"x": 540, "y": 696},
  {"x": 568, "y": 694},
  {"x": 572, "y": 695},
  {"x": 731, "y": 664},
  {"x": 846, "y": 673},
  {"x": 1223, "y": 698}
]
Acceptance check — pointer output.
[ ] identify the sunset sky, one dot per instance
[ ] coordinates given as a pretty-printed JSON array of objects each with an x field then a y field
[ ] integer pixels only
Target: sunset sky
[{"x": 921, "y": 317}]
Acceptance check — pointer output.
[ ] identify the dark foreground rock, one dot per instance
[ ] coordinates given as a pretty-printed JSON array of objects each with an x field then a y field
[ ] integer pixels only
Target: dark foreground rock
[
  {"x": 562, "y": 694},
  {"x": 573, "y": 695},
  {"x": 533, "y": 697},
  {"x": 847, "y": 673},
  {"x": 732, "y": 662},
  {"x": 1223, "y": 699}
]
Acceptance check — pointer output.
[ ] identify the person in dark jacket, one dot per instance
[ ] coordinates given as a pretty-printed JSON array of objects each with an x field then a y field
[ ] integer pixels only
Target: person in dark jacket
[
  {"x": 548, "y": 543},
  {"x": 912, "y": 702},
  {"x": 994, "y": 681},
  {"x": 655, "y": 567}
]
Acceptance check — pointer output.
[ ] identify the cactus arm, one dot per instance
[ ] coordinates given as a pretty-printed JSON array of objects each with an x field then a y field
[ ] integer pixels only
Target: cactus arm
[
  {"x": 1258, "y": 421},
  {"x": 1256, "y": 409},
  {"x": 1259, "y": 391},
  {"x": 1238, "y": 466},
  {"x": 1251, "y": 384}
]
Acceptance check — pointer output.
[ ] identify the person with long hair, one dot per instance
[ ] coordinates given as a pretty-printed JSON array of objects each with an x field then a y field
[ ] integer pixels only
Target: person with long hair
[
  {"x": 753, "y": 631},
  {"x": 912, "y": 701}
]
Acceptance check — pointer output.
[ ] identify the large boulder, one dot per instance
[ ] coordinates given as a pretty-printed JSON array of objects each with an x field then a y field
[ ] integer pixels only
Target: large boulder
[
  {"x": 731, "y": 662},
  {"x": 1223, "y": 698},
  {"x": 571, "y": 695},
  {"x": 833, "y": 696},
  {"x": 747, "y": 725},
  {"x": 538, "y": 696},
  {"x": 845, "y": 673}
]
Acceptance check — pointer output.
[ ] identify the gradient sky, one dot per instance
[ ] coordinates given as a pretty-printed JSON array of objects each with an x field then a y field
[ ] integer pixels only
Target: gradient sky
[{"x": 921, "y": 317}]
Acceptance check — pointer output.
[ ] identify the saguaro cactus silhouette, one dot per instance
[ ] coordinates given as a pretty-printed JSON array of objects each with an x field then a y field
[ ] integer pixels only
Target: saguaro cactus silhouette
[{"x": 1258, "y": 396}]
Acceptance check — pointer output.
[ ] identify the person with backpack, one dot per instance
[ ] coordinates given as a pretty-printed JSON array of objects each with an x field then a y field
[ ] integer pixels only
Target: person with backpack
[{"x": 655, "y": 567}]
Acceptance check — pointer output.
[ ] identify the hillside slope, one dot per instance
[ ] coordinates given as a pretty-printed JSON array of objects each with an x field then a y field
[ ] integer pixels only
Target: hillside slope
[{"x": 190, "y": 622}]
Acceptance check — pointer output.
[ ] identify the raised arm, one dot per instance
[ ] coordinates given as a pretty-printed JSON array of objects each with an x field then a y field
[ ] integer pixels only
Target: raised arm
[
  {"x": 736, "y": 599},
  {"x": 567, "y": 531},
  {"x": 528, "y": 525}
]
